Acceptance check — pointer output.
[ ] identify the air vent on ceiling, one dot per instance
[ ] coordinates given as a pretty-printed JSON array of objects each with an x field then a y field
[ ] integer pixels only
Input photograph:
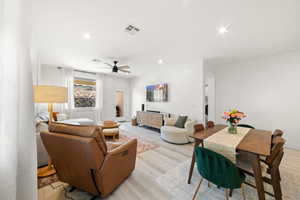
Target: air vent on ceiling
[{"x": 132, "y": 30}]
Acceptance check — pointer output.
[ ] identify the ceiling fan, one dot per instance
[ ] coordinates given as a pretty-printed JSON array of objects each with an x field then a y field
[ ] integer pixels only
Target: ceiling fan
[{"x": 115, "y": 68}]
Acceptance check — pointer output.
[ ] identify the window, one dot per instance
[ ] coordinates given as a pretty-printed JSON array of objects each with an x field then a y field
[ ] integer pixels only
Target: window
[{"x": 84, "y": 93}]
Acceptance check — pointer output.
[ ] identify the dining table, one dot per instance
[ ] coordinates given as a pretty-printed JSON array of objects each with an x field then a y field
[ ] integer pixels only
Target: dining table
[{"x": 255, "y": 144}]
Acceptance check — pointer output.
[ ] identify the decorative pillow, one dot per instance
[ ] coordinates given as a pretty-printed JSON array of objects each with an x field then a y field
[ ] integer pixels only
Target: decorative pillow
[
  {"x": 43, "y": 116},
  {"x": 170, "y": 121},
  {"x": 181, "y": 121},
  {"x": 54, "y": 115}
]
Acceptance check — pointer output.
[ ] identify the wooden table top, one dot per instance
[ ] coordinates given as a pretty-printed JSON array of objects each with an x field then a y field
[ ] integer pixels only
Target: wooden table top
[{"x": 256, "y": 141}]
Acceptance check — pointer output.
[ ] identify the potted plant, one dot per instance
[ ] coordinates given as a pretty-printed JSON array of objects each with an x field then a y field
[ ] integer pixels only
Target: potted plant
[{"x": 233, "y": 117}]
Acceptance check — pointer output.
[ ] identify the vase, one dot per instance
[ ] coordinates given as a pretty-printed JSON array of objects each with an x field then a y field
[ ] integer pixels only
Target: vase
[{"x": 232, "y": 128}]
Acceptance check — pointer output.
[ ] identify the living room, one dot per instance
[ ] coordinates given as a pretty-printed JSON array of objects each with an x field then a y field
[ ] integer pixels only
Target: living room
[{"x": 149, "y": 100}]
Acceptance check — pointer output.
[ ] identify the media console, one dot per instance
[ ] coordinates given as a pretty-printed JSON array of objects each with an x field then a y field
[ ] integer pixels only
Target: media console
[{"x": 150, "y": 119}]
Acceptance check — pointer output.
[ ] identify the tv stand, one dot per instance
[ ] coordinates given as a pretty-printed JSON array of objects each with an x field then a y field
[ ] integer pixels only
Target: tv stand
[{"x": 150, "y": 119}]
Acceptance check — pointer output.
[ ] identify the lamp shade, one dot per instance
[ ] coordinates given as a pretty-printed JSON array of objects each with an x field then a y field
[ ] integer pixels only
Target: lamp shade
[{"x": 50, "y": 94}]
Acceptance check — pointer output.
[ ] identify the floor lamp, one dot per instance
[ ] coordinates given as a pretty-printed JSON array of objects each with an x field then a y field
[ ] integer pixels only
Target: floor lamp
[{"x": 50, "y": 95}]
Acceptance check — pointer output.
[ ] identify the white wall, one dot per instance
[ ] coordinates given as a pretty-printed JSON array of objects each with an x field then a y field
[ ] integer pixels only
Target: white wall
[
  {"x": 266, "y": 89},
  {"x": 185, "y": 88},
  {"x": 17, "y": 134},
  {"x": 51, "y": 75}
]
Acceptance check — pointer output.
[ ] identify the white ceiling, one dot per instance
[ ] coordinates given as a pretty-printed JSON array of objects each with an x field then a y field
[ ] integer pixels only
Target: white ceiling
[{"x": 170, "y": 29}]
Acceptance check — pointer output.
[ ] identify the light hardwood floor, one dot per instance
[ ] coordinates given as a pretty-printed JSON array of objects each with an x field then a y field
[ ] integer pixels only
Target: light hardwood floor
[{"x": 152, "y": 165}]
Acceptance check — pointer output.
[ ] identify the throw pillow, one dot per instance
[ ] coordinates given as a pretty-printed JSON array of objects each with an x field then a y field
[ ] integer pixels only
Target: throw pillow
[
  {"x": 181, "y": 121},
  {"x": 54, "y": 115},
  {"x": 170, "y": 121}
]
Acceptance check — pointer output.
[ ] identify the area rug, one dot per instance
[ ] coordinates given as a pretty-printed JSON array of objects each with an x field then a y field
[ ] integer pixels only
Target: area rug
[
  {"x": 175, "y": 181},
  {"x": 142, "y": 146}
]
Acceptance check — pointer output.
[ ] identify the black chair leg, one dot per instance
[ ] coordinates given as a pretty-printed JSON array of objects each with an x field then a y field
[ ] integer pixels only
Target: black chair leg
[
  {"x": 72, "y": 189},
  {"x": 230, "y": 192},
  {"x": 93, "y": 198}
]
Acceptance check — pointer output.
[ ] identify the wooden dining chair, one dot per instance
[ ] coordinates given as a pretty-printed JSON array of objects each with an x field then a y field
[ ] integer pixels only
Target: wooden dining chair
[
  {"x": 198, "y": 127},
  {"x": 272, "y": 162},
  {"x": 218, "y": 170},
  {"x": 277, "y": 133},
  {"x": 210, "y": 124}
]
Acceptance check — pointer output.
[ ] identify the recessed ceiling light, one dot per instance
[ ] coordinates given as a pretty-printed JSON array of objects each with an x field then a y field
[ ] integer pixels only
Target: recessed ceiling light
[
  {"x": 87, "y": 36},
  {"x": 222, "y": 30},
  {"x": 160, "y": 61}
]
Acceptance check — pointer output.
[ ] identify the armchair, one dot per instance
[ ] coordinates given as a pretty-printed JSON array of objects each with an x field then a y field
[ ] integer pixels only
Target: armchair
[
  {"x": 82, "y": 158},
  {"x": 172, "y": 134}
]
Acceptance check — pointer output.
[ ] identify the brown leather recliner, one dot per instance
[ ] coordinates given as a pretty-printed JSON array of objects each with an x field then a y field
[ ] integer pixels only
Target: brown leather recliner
[{"x": 83, "y": 160}]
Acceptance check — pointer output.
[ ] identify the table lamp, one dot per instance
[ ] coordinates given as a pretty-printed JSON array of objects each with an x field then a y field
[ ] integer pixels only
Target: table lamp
[{"x": 50, "y": 95}]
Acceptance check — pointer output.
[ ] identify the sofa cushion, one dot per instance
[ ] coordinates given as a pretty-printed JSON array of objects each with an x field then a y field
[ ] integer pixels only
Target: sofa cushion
[
  {"x": 81, "y": 121},
  {"x": 181, "y": 121},
  {"x": 173, "y": 130},
  {"x": 174, "y": 135}
]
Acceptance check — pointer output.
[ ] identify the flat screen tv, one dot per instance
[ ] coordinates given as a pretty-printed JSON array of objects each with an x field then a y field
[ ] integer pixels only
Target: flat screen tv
[{"x": 157, "y": 93}]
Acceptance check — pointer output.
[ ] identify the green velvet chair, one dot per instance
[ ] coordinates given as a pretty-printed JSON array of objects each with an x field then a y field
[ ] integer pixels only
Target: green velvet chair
[
  {"x": 217, "y": 169},
  {"x": 245, "y": 126}
]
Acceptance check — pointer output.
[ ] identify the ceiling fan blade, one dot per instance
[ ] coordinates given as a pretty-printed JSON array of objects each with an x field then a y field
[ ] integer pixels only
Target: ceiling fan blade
[
  {"x": 124, "y": 67},
  {"x": 97, "y": 60},
  {"x": 109, "y": 64},
  {"x": 126, "y": 71},
  {"x": 104, "y": 67}
]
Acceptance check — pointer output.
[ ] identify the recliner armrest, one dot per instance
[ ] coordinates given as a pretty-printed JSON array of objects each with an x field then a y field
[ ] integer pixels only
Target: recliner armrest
[
  {"x": 117, "y": 166},
  {"x": 112, "y": 145},
  {"x": 123, "y": 147}
]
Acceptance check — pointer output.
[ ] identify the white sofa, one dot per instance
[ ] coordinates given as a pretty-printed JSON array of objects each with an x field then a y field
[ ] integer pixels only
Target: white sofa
[
  {"x": 63, "y": 118},
  {"x": 172, "y": 134}
]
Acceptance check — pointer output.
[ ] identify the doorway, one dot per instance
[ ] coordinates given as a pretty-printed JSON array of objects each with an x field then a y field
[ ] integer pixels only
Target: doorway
[{"x": 119, "y": 104}]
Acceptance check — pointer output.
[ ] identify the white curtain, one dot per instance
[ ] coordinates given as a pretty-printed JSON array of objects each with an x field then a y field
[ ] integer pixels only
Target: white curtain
[
  {"x": 69, "y": 81},
  {"x": 99, "y": 97},
  {"x": 17, "y": 135}
]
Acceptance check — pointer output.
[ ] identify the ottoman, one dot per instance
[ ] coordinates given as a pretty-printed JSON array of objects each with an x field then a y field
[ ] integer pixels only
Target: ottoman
[{"x": 111, "y": 132}]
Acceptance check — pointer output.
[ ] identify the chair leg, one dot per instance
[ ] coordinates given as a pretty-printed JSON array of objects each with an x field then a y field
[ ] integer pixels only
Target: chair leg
[
  {"x": 197, "y": 189},
  {"x": 226, "y": 194},
  {"x": 230, "y": 192},
  {"x": 276, "y": 184},
  {"x": 72, "y": 189},
  {"x": 278, "y": 174},
  {"x": 243, "y": 192}
]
